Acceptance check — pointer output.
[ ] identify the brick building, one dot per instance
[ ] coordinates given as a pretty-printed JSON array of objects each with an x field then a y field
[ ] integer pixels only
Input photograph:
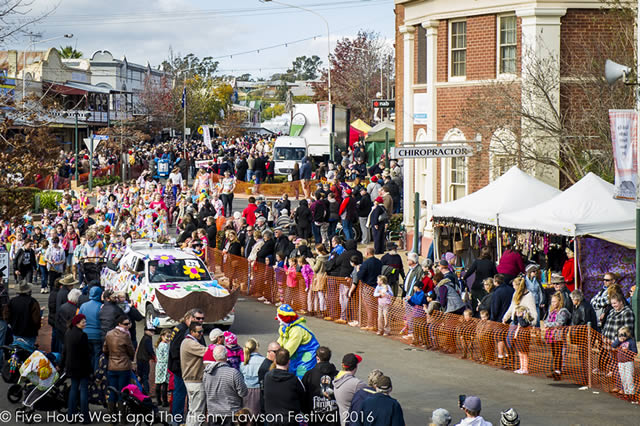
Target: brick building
[{"x": 445, "y": 50}]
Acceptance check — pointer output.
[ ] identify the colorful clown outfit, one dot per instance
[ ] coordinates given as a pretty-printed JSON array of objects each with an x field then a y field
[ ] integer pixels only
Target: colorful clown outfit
[{"x": 298, "y": 340}]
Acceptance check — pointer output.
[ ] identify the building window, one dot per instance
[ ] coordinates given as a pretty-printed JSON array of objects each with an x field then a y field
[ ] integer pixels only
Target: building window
[
  {"x": 459, "y": 49},
  {"x": 508, "y": 42},
  {"x": 421, "y": 35},
  {"x": 458, "y": 186}
]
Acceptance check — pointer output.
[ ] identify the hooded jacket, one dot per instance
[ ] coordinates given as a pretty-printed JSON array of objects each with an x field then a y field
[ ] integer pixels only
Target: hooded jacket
[
  {"x": 108, "y": 315},
  {"x": 283, "y": 393},
  {"x": 91, "y": 310},
  {"x": 474, "y": 421},
  {"x": 319, "y": 397},
  {"x": 345, "y": 386},
  {"x": 224, "y": 387},
  {"x": 341, "y": 265}
]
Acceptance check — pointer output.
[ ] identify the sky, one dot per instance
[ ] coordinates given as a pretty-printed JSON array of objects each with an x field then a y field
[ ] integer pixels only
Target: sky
[{"x": 144, "y": 30}]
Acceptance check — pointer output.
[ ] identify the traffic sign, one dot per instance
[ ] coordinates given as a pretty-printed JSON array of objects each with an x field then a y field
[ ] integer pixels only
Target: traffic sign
[
  {"x": 101, "y": 137},
  {"x": 447, "y": 151},
  {"x": 91, "y": 146},
  {"x": 384, "y": 103}
]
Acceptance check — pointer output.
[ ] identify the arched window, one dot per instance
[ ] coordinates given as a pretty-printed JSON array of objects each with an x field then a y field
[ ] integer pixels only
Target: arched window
[{"x": 454, "y": 171}]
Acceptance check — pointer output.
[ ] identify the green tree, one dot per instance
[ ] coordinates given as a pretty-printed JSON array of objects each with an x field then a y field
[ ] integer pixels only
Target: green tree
[
  {"x": 305, "y": 68},
  {"x": 189, "y": 65},
  {"x": 69, "y": 52},
  {"x": 273, "y": 111}
]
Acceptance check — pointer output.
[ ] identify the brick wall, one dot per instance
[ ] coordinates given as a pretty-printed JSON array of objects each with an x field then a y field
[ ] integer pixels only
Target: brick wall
[{"x": 481, "y": 47}]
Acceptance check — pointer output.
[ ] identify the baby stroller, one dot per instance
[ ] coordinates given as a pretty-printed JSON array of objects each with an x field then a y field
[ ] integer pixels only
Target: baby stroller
[
  {"x": 44, "y": 389},
  {"x": 137, "y": 404},
  {"x": 14, "y": 355}
]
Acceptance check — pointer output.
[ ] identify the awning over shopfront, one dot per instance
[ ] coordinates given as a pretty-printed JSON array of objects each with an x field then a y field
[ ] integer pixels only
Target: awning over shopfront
[
  {"x": 73, "y": 88},
  {"x": 511, "y": 191},
  {"x": 587, "y": 207}
]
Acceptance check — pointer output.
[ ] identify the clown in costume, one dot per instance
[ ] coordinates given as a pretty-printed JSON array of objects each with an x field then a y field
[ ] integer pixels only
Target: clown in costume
[{"x": 298, "y": 340}]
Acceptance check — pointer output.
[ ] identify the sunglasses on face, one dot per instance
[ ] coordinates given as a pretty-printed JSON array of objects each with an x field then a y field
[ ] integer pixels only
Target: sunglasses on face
[
  {"x": 126, "y": 324},
  {"x": 198, "y": 318},
  {"x": 607, "y": 280}
]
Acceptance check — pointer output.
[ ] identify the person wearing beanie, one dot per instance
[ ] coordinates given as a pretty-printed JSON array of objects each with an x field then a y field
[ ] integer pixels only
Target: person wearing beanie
[
  {"x": 76, "y": 362},
  {"x": 235, "y": 354},
  {"x": 297, "y": 339},
  {"x": 378, "y": 219},
  {"x": 472, "y": 407},
  {"x": 346, "y": 384},
  {"x": 440, "y": 417},
  {"x": 91, "y": 310},
  {"x": 381, "y": 408}
]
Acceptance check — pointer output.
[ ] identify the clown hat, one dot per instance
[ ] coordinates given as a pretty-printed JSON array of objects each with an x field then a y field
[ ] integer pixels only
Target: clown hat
[{"x": 286, "y": 314}]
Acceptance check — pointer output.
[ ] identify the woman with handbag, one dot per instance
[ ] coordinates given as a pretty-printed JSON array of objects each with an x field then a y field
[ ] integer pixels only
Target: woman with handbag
[{"x": 558, "y": 316}]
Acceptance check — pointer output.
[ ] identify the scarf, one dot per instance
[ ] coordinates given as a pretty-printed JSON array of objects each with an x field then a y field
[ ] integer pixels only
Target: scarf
[{"x": 124, "y": 330}]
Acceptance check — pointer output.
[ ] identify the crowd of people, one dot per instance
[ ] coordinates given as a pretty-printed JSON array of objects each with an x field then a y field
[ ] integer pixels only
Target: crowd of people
[{"x": 317, "y": 239}]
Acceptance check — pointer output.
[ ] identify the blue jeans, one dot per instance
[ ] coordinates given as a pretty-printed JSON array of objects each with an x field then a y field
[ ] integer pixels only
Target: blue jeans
[
  {"x": 3, "y": 335},
  {"x": 79, "y": 386},
  {"x": 117, "y": 379},
  {"x": 315, "y": 229},
  {"x": 347, "y": 229},
  {"x": 179, "y": 398},
  {"x": 258, "y": 176},
  {"x": 249, "y": 175},
  {"x": 95, "y": 349},
  {"x": 332, "y": 228},
  {"x": 44, "y": 276}
]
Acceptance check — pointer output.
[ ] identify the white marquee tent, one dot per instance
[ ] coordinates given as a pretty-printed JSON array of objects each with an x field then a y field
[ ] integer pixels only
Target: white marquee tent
[
  {"x": 587, "y": 207},
  {"x": 512, "y": 191}
]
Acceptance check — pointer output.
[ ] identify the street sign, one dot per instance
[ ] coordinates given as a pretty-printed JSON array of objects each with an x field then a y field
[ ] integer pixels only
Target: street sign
[
  {"x": 187, "y": 131},
  {"x": 446, "y": 151},
  {"x": 101, "y": 137},
  {"x": 87, "y": 142},
  {"x": 384, "y": 103},
  {"x": 4, "y": 267}
]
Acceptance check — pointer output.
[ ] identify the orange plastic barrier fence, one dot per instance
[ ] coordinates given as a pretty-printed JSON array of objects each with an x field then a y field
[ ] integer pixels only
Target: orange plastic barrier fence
[
  {"x": 294, "y": 188},
  {"x": 580, "y": 354}
]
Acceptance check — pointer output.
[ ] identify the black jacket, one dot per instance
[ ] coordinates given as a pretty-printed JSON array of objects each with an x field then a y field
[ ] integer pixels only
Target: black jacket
[
  {"x": 235, "y": 249},
  {"x": 484, "y": 268},
  {"x": 51, "y": 318},
  {"x": 24, "y": 316},
  {"x": 500, "y": 301},
  {"x": 19, "y": 261},
  {"x": 283, "y": 394},
  {"x": 267, "y": 249},
  {"x": 188, "y": 230},
  {"x": 302, "y": 217},
  {"x": 242, "y": 170},
  {"x": 211, "y": 235},
  {"x": 109, "y": 313},
  {"x": 145, "y": 350},
  {"x": 248, "y": 246},
  {"x": 316, "y": 400},
  {"x": 76, "y": 357},
  {"x": 63, "y": 317},
  {"x": 584, "y": 314},
  {"x": 61, "y": 297},
  {"x": 341, "y": 265},
  {"x": 177, "y": 336},
  {"x": 369, "y": 271},
  {"x": 284, "y": 245}
]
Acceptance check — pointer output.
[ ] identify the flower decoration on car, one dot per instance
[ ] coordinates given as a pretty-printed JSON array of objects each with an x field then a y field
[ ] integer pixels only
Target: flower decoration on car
[
  {"x": 194, "y": 287},
  {"x": 213, "y": 284},
  {"x": 193, "y": 272},
  {"x": 165, "y": 259},
  {"x": 169, "y": 286}
]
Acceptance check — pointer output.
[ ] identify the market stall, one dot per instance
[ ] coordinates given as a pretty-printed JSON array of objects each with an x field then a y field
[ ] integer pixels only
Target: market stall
[
  {"x": 376, "y": 138},
  {"x": 463, "y": 226}
]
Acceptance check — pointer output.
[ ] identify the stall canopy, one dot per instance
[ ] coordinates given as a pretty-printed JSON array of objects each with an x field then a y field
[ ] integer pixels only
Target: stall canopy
[
  {"x": 511, "y": 191},
  {"x": 361, "y": 125},
  {"x": 587, "y": 207},
  {"x": 377, "y": 133},
  {"x": 355, "y": 135}
]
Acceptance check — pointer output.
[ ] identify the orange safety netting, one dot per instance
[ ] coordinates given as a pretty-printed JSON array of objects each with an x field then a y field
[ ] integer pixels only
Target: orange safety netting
[{"x": 581, "y": 354}]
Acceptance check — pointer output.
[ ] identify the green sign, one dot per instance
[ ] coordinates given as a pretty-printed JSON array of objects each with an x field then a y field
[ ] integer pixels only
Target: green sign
[{"x": 297, "y": 124}]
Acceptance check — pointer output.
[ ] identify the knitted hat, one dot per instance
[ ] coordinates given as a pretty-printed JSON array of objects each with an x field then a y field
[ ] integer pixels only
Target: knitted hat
[
  {"x": 230, "y": 339},
  {"x": 208, "y": 355},
  {"x": 374, "y": 178},
  {"x": 379, "y": 200},
  {"x": 286, "y": 314},
  {"x": 76, "y": 320}
]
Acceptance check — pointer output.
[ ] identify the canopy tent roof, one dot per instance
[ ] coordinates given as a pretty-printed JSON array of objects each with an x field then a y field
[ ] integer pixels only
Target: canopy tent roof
[
  {"x": 587, "y": 207},
  {"x": 625, "y": 238},
  {"x": 354, "y": 135},
  {"x": 377, "y": 133},
  {"x": 511, "y": 191},
  {"x": 361, "y": 125}
]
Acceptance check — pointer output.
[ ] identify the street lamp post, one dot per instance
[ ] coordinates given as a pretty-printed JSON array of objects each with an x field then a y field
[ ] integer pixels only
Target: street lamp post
[
  {"x": 24, "y": 60},
  {"x": 328, "y": 39}
]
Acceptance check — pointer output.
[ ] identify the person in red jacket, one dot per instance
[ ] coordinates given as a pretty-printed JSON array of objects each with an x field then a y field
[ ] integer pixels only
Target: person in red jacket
[
  {"x": 511, "y": 263},
  {"x": 249, "y": 212},
  {"x": 568, "y": 270},
  {"x": 347, "y": 214}
]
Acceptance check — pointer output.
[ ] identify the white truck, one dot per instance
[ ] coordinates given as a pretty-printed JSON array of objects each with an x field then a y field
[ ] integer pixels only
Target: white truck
[
  {"x": 164, "y": 282},
  {"x": 288, "y": 150}
]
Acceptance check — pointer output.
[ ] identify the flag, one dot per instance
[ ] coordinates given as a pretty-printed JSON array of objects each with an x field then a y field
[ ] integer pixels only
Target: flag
[
  {"x": 184, "y": 97},
  {"x": 624, "y": 125}
]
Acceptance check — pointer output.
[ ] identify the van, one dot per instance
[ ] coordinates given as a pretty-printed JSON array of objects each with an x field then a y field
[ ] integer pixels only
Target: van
[{"x": 288, "y": 150}]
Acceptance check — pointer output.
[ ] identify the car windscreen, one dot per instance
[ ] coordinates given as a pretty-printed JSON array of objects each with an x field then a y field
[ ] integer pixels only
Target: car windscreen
[
  {"x": 177, "y": 270},
  {"x": 289, "y": 153}
]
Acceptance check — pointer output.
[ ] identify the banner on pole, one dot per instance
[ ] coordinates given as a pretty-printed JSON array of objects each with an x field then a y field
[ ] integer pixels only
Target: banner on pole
[
  {"x": 624, "y": 127},
  {"x": 206, "y": 137}
]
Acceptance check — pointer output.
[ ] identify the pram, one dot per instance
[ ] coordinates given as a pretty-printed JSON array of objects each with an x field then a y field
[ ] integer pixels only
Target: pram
[
  {"x": 14, "y": 355},
  {"x": 44, "y": 389},
  {"x": 137, "y": 405}
]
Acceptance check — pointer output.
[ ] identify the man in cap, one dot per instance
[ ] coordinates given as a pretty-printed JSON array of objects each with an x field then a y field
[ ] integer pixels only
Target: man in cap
[
  {"x": 558, "y": 283},
  {"x": 24, "y": 314},
  {"x": 297, "y": 339},
  {"x": 346, "y": 384},
  {"x": 381, "y": 409},
  {"x": 472, "y": 407}
]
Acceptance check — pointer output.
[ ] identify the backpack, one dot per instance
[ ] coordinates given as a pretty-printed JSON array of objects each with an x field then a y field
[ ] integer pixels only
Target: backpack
[
  {"x": 391, "y": 273},
  {"x": 384, "y": 216}
]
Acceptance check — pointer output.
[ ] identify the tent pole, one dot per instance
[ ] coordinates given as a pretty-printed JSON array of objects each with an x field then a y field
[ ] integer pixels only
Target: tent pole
[
  {"x": 575, "y": 263},
  {"x": 498, "y": 239}
]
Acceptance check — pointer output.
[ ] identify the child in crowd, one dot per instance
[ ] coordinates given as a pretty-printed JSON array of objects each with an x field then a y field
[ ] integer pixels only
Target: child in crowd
[
  {"x": 626, "y": 352},
  {"x": 292, "y": 281},
  {"x": 280, "y": 276},
  {"x": 42, "y": 264},
  {"x": 385, "y": 296},
  {"x": 162, "y": 373},
  {"x": 485, "y": 338},
  {"x": 522, "y": 337},
  {"x": 307, "y": 274},
  {"x": 235, "y": 354},
  {"x": 466, "y": 331},
  {"x": 144, "y": 354}
]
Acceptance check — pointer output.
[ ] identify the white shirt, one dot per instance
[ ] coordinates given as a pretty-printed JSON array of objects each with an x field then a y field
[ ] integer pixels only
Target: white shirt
[{"x": 176, "y": 178}]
